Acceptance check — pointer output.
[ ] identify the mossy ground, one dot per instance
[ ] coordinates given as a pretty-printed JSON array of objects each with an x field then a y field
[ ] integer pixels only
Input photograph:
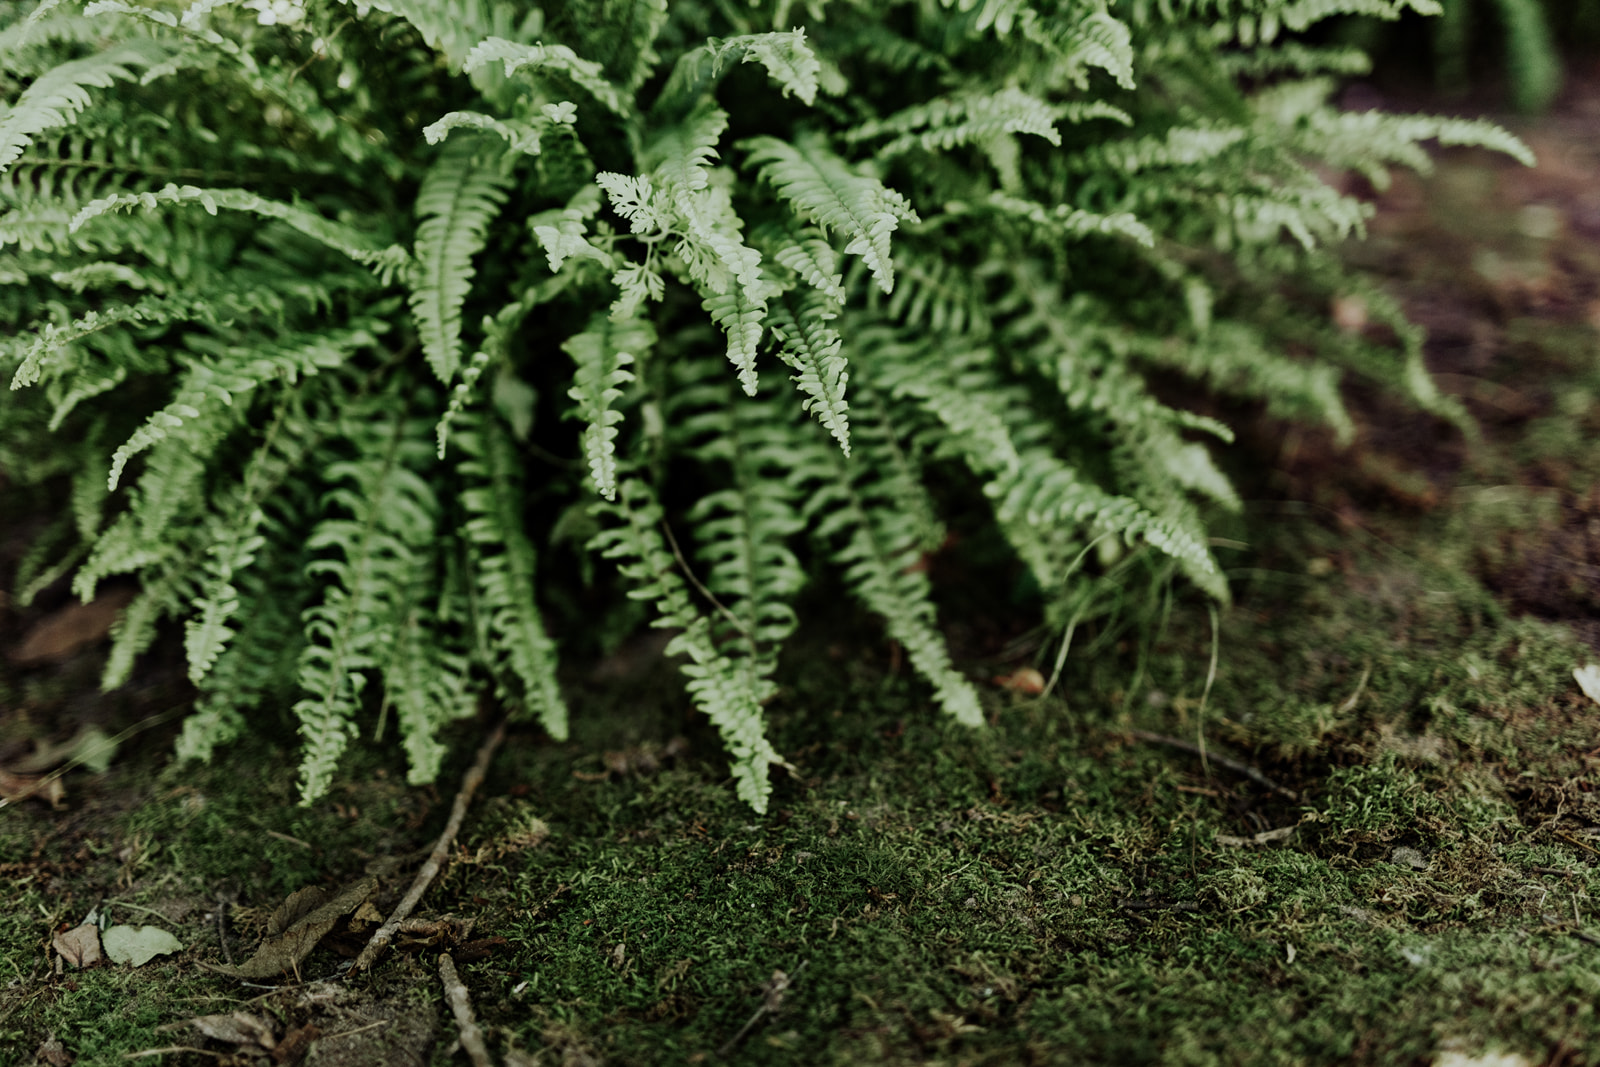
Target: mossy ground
[{"x": 1053, "y": 889}]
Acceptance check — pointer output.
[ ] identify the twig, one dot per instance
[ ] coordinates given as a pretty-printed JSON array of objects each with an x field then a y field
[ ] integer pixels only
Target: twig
[
  {"x": 1562, "y": 924},
  {"x": 1211, "y": 676},
  {"x": 1575, "y": 841},
  {"x": 1553, "y": 870},
  {"x": 1158, "y": 905},
  {"x": 775, "y": 989},
  {"x": 173, "y": 1048},
  {"x": 291, "y": 840},
  {"x": 461, "y": 1006},
  {"x": 436, "y": 858},
  {"x": 1222, "y": 761}
]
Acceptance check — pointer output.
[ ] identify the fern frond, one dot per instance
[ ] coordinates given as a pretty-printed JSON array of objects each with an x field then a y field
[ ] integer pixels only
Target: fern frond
[
  {"x": 373, "y": 555},
  {"x": 787, "y": 58},
  {"x": 556, "y": 58},
  {"x": 520, "y": 136},
  {"x": 601, "y": 355},
  {"x": 824, "y": 190},
  {"x": 561, "y": 232},
  {"x": 503, "y": 562},
  {"x": 337, "y": 236},
  {"x": 724, "y": 689},
  {"x": 55, "y": 98},
  {"x": 681, "y": 154},
  {"x": 809, "y": 345},
  {"x": 460, "y": 197},
  {"x": 807, "y": 252},
  {"x": 740, "y": 318},
  {"x": 851, "y": 504},
  {"x": 964, "y": 118},
  {"x": 1077, "y": 42}
]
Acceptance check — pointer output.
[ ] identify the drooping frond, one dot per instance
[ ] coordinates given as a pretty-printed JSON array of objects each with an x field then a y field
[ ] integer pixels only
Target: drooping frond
[
  {"x": 809, "y": 345},
  {"x": 785, "y": 55},
  {"x": 520, "y": 136},
  {"x": 341, "y": 238},
  {"x": 941, "y": 124},
  {"x": 56, "y": 98},
  {"x": 459, "y": 198},
  {"x": 370, "y": 551},
  {"x": 503, "y": 564},
  {"x": 602, "y": 355},
  {"x": 554, "y": 58},
  {"x": 826, "y": 191},
  {"x": 727, "y": 690},
  {"x": 851, "y": 502}
]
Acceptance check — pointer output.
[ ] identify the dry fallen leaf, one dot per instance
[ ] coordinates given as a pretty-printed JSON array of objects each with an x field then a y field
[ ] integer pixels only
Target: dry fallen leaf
[
  {"x": 237, "y": 1028},
  {"x": 58, "y": 635},
  {"x": 46, "y": 787},
  {"x": 53, "y": 1052},
  {"x": 295, "y": 930},
  {"x": 79, "y": 946},
  {"x": 1025, "y": 680}
]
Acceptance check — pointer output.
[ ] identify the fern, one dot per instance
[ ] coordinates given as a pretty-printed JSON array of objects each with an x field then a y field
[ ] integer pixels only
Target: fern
[
  {"x": 602, "y": 355},
  {"x": 256, "y": 283},
  {"x": 502, "y": 559},
  {"x": 56, "y": 98},
  {"x": 458, "y": 200},
  {"x": 725, "y": 689},
  {"x": 825, "y": 191}
]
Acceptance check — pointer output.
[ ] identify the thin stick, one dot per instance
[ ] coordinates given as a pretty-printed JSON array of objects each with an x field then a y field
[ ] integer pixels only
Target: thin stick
[
  {"x": 775, "y": 989},
  {"x": 436, "y": 858},
  {"x": 1211, "y": 676},
  {"x": 461, "y": 1006},
  {"x": 1221, "y": 761},
  {"x": 1575, "y": 841}
]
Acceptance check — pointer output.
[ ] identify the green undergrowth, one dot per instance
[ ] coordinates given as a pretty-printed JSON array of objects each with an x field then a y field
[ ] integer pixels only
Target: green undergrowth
[{"x": 1052, "y": 889}]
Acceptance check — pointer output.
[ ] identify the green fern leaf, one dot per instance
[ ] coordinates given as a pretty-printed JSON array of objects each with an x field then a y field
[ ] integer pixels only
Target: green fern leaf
[
  {"x": 460, "y": 197},
  {"x": 558, "y": 58},
  {"x": 824, "y": 190},
  {"x": 55, "y": 98},
  {"x": 602, "y": 354},
  {"x": 812, "y": 347},
  {"x": 504, "y": 563}
]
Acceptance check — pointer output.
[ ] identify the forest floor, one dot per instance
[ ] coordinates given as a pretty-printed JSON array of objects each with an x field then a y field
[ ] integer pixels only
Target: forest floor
[{"x": 1407, "y": 874}]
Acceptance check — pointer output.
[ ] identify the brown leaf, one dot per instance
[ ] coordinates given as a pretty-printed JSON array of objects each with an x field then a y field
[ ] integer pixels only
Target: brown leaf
[
  {"x": 79, "y": 946},
  {"x": 473, "y": 951},
  {"x": 58, "y": 635},
  {"x": 296, "y": 906},
  {"x": 15, "y": 787},
  {"x": 1025, "y": 680},
  {"x": 295, "y": 1043},
  {"x": 284, "y": 950},
  {"x": 237, "y": 1028},
  {"x": 53, "y": 1052}
]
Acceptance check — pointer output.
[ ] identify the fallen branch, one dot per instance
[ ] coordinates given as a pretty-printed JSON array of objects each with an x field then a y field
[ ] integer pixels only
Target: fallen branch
[
  {"x": 436, "y": 859},
  {"x": 1222, "y": 761},
  {"x": 455, "y": 992}
]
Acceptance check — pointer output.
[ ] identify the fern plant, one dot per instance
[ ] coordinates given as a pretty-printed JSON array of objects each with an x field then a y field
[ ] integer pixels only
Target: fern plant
[{"x": 299, "y": 289}]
